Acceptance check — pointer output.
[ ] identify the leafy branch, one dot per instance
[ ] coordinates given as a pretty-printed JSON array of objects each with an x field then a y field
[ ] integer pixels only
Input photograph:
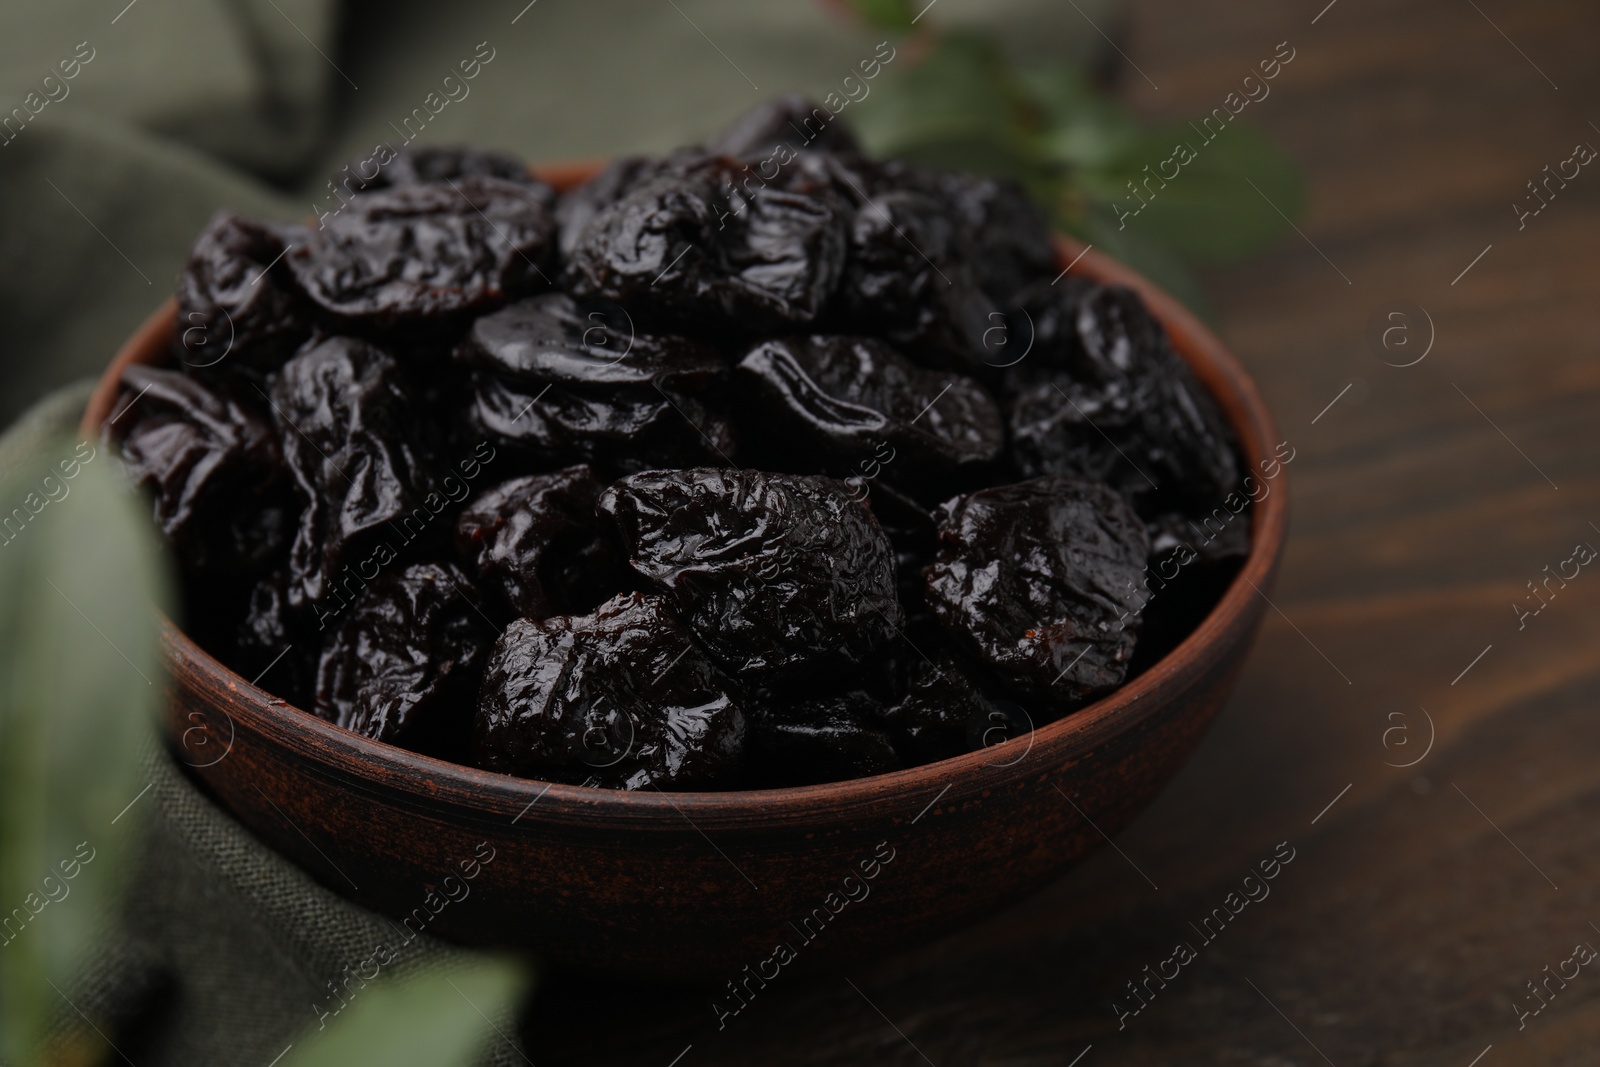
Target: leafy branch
[{"x": 962, "y": 103}]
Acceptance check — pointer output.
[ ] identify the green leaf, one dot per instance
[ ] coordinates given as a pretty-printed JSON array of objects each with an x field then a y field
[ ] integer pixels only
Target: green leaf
[
  {"x": 1233, "y": 199},
  {"x": 886, "y": 14},
  {"x": 80, "y": 575},
  {"x": 958, "y": 107},
  {"x": 1081, "y": 128},
  {"x": 440, "y": 1017}
]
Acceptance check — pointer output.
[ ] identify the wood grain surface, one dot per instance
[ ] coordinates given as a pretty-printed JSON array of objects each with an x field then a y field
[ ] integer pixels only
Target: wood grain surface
[{"x": 1419, "y": 904}]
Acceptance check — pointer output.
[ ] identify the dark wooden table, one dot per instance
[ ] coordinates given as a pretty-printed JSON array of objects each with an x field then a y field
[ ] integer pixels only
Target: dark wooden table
[{"x": 1421, "y": 899}]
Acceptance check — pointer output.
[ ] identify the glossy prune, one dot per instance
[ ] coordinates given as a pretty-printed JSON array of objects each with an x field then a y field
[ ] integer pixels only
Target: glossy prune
[
  {"x": 1128, "y": 412},
  {"x": 623, "y": 697},
  {"x": 239, "y": 311},
  {"x": 536, "y": 542},
  {"x": 418, "y": 254},
  {"x": 403, "y": 662},
  {"x": 1040, "y": 581},
  {"x": 211, "y": 465},
  {"x": 807, "y": 740},
  {"x": 578, "y": 206},
  {"x": 344, "y": 409},
  {"x": 710, "y": 247},
  {"x": 775, "y": 574},
  {"x": 569, "y": 382},
  {"x": 855, "y": 406},
  {"x": 1007, "y": 232},
  {"x": 1042, "y": 333},
  {"x": 909, "y": 278}
]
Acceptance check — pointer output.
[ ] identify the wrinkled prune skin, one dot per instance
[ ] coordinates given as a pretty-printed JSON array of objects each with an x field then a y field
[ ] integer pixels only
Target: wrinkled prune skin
[
  {"x": 403, "y": 662},
  {"x": 934, "y": 257},
  {"x": 1129, "y": 412},
  {"x": 909, "y": 277},
  {"x": 578, "y": 206},
  {"x": 710, "y": 247},
  {"x": 945, "y": 713},
  {"x": 1042, "y": 583},
  {"x": 239, "y": 310},
  {"x": 427, "y": 254},
  {"x": 211, "y": 465},
  {"x": 806, "y": 741},
  {"x": 621, "y": 698},
  {"x": 780, "y": 121},
  {"x": 1008, "y": 233},
  {"x": 421, "y": 164},
  {"x": 348, "y": 426},
  {"x": 741, "y": 154},
  {"x": 536, "y": 541},
  {"x": 570, "y": 382},
  {"x": 856, "y": 407},
  {"x": 776, "y": 574}
]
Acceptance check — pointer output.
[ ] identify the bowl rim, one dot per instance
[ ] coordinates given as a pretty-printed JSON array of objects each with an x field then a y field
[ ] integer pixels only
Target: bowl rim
[{"x": 1075, "y": 733}]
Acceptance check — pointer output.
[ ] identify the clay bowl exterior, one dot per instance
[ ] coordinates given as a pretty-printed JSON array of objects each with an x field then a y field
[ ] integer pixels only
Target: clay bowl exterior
[{"x": 694, "y": 886}]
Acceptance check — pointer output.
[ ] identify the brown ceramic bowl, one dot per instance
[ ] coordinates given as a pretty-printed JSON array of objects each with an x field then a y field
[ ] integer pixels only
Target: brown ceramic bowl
[{"x": 694, "y": 886}]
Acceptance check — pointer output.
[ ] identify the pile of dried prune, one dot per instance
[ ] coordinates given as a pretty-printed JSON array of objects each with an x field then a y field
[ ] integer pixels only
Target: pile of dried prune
[{"x": 758, "y": 464}]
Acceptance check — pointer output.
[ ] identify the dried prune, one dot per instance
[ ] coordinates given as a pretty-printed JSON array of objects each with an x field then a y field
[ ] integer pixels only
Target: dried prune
[
  {"x": 909, "y": 277},
  {"x": 776, "y": 574},
  {"x": 778, "y": 122},
  {"x": 755, "y": 148},
  {"x": 806, "y": 740},
  {"x": 402, "y": 663},
  {"x": 857, "y": 407},
  {"x": 578, "y": 206},
  {"x": 212, "y": 466},
  {"x": 536, "y": 541},
  {"x": 1041, "y": 334},
  {"x": 567, "y": 382},
  {"x": 623, "y": 698},
  {"x": 416, "y": 254},
  {"x": 1041, "y": 582},
  {"x": 1129, "y": 412},
  {"x": 1008, "y": 234},
  {"x": 350, "y": 441},
  {"x": 239, "y": 311},
  {"x": 946, "y": 713},
  {"x": 704, "y": 248}
]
